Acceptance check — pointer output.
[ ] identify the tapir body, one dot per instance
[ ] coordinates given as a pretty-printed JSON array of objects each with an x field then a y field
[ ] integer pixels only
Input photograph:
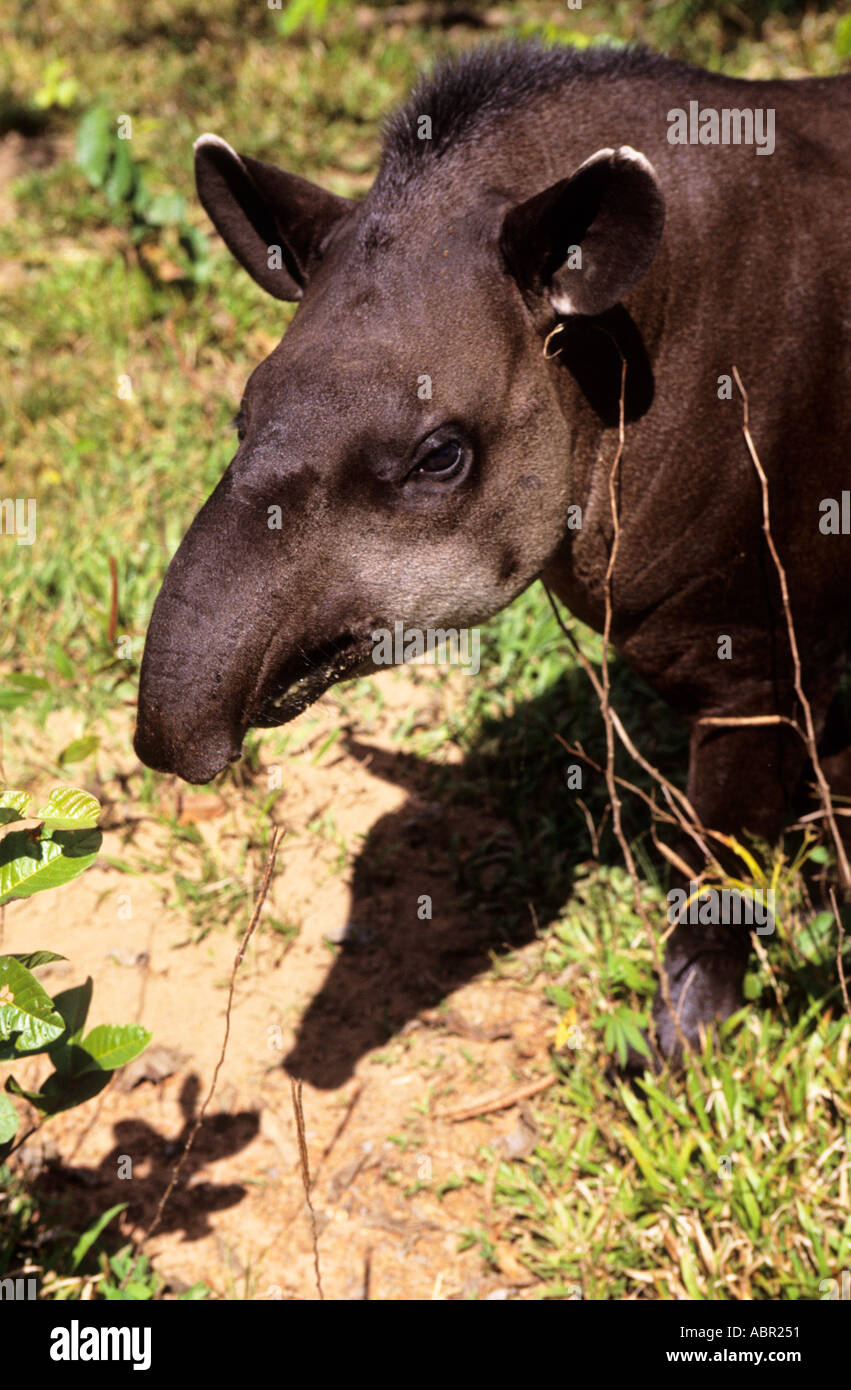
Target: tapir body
[{"x": 413, "y": 448}]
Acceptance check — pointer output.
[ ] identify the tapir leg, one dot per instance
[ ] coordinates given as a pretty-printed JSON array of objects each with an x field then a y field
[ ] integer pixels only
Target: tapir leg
[{"x": 740, "y": 781}]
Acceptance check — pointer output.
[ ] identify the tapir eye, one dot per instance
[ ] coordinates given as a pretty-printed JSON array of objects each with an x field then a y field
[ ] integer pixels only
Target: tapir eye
[{"x": 440, "y": 459}]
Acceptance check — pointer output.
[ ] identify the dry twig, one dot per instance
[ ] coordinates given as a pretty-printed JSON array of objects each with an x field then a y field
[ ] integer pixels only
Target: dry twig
[{"x": 277, "y": 834}]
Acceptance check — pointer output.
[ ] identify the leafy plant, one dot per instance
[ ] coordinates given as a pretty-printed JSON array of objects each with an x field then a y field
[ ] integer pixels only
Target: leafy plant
[
  {"x": 57, "y": 88},
  {"x": 56, "y": 850},
  {"x": 103, "y": 154},
  {"x": 128, "y": 1277}
]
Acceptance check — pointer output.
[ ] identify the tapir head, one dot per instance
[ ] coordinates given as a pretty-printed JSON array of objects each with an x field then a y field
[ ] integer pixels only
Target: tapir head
[{"x": 403, "y": 454}]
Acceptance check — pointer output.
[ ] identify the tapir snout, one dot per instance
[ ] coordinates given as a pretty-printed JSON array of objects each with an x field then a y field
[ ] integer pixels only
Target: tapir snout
[{"x": 220, "y": 655}]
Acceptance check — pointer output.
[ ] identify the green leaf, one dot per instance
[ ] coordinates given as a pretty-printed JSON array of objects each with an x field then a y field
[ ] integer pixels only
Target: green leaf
[
  {"x": 138, "y": 1292},
  {"x": 88, "y": 1238},
  {"x": 842, "y": 38},
  {"x": 642, "y": 1158},
  {"x": 28, "y": 864},
  {"x": 299, "y": 12},
  {"x": 16, "y": 1089},
  {"x": 112, "y": 1045},
  {"x": 34, "y": 959},
  {"x": 13, "y": 806},
  {"x": 95, "y": 144},
  {"x": 24, "y": 681},
  {"x": 121, "y": 183},
  {"x": 636, "y": 1038},
  {"x": 823, "y": 921},
  {"x": 165, "y": 210},
  {"x": 8, "y": 1120},
  {"x": 62, "y": 662},
  {"x": 66, "y": 1093},
  {"x": 14, "y": 699},
  {"x": 70, "y": 808},
  {"x": 62, "y": 1092},
  {"x": 751, "y": 1208},
  {"x": 29, "y": 1011},
  {"x": 78, "y": 750}
]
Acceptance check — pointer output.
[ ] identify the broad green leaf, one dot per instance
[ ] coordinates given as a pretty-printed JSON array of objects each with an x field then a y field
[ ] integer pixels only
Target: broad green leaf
[
  {"x": 34, "y": 959},
  {"x": 26, "y": 1008},
  {"x": 13, "y": 806},
  {"x": 96, "y": 136},
  {"x": 8, "y": 1120},
  {"x": 70, "y": 808},
  {"x": 112, "y": 1045},
  {"x": 88, "y": 1238},
  {"x": 29, "y": 864}
]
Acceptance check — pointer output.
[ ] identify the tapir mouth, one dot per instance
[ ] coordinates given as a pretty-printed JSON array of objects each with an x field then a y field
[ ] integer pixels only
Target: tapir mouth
[{"x": 308, "y": 674}]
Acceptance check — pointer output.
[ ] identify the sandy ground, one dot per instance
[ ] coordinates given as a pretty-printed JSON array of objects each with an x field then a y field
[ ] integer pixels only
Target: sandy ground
[{"x": 351, "y": 1005}]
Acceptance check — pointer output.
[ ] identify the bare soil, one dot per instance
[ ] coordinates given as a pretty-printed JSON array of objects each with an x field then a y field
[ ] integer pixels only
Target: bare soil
[{"x": 351, "y": 1005}]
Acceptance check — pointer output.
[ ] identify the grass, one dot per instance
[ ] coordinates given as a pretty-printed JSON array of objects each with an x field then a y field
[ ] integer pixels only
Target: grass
[
  {"x": 731, "y": 1185},
  {"x": 628, "y": 1193}
]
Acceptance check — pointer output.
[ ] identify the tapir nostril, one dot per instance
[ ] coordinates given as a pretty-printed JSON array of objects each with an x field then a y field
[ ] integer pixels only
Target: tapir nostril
[{"x": 194, "y": 756}]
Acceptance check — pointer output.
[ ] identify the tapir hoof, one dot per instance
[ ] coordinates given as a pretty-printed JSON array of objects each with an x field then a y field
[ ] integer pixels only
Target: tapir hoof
[{"x": 704, "y": 990}]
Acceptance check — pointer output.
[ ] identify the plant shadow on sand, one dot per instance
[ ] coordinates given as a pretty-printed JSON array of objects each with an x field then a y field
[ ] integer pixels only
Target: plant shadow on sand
[{"x": 89, "y": 1190}]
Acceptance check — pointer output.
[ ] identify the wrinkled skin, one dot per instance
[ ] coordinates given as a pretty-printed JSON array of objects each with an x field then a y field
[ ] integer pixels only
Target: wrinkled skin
[{"x": 438, "y": 508}]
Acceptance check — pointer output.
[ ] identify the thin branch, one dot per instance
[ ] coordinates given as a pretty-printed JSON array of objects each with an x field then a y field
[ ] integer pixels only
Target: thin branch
[
  {"x": 840, "y": 945},
  {"x": 487, "y": 1107},
  {"x": 304, "y": 1163},
  {"x": 811, "y": 742},
  {"x": 277, "y": 834}
]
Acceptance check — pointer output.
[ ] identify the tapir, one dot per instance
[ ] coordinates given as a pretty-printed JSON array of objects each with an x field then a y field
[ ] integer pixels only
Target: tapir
[{"x": 560, "y": 248}]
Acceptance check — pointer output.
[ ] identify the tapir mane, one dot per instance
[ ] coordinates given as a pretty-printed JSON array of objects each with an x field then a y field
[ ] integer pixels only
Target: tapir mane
[{"x": 476, "y": 91}]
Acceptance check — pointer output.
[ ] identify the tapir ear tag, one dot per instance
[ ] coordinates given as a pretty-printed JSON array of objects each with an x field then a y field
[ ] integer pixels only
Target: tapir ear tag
[{"x": 585, "y": 241}]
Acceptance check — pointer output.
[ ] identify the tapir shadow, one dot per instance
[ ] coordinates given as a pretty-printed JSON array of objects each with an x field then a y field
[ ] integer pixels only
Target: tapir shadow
[{"x": 491, "y": 844}]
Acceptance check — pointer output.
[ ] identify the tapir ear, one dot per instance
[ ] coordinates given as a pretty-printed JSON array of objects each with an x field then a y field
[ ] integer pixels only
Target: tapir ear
[
  {"x": 272, "y": 221},
  {"x": 584, "y": 242}
]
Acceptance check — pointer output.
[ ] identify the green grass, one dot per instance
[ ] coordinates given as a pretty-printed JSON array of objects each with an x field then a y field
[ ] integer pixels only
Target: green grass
[
  {"x": 623, "y": 1196},
  {"x": 730, "y": 1184}
]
